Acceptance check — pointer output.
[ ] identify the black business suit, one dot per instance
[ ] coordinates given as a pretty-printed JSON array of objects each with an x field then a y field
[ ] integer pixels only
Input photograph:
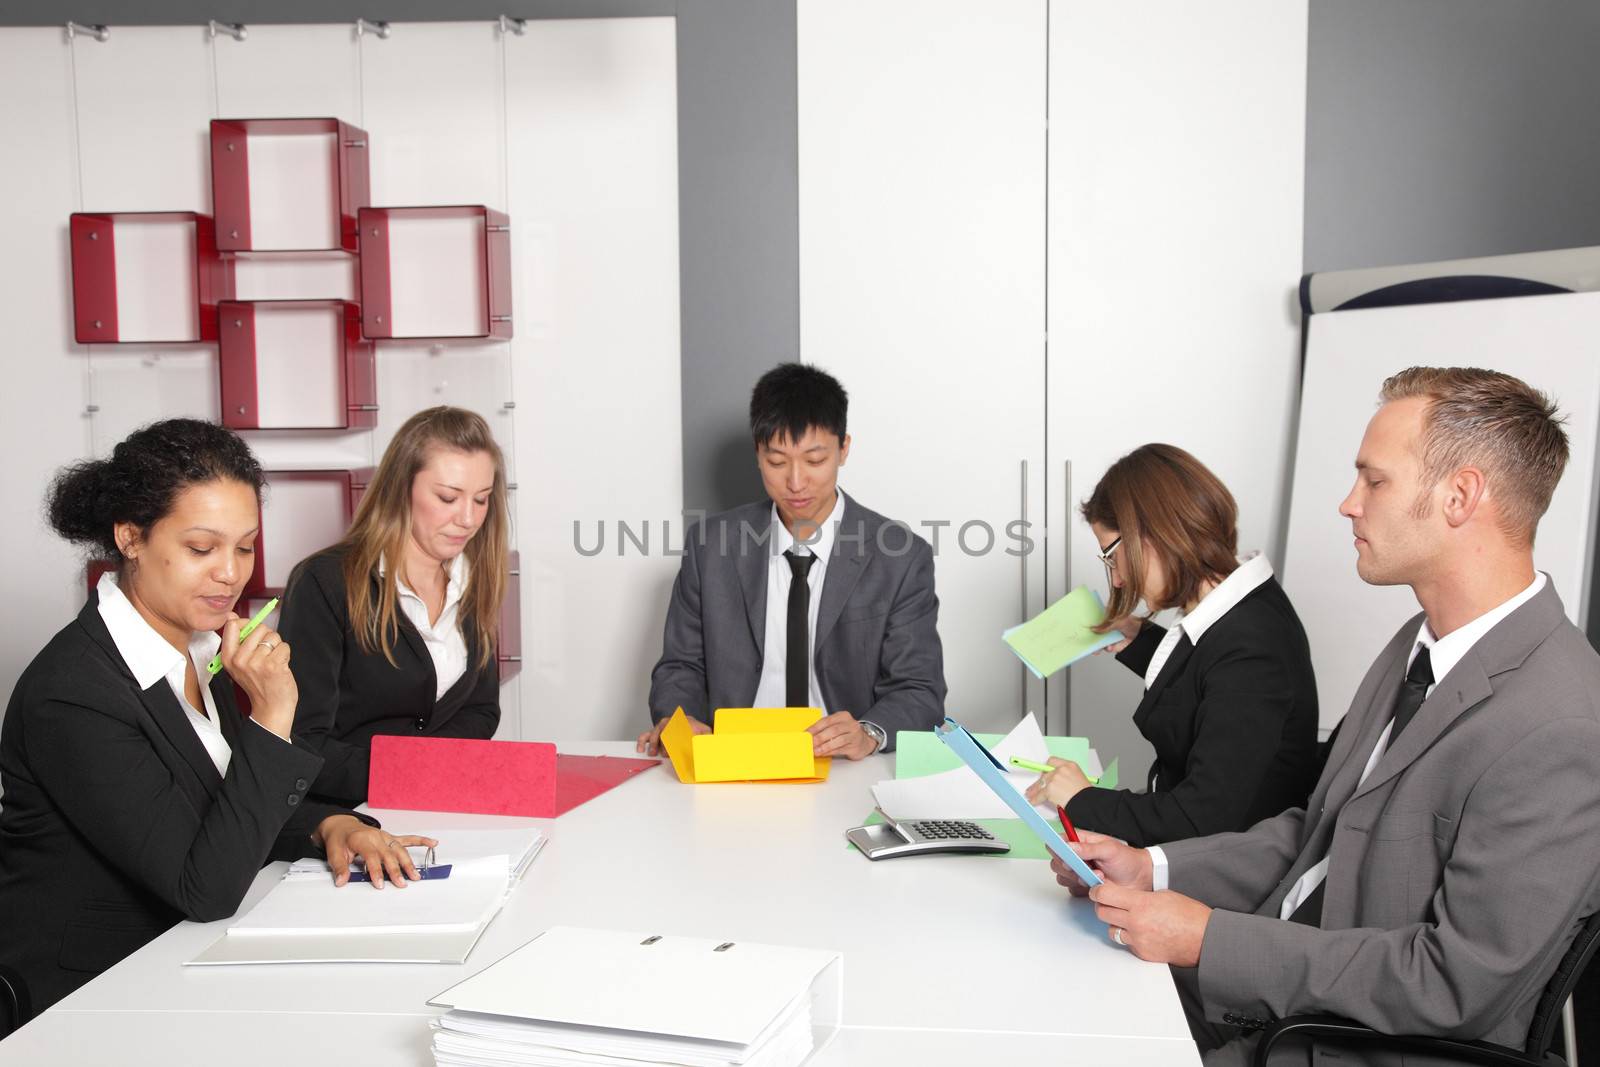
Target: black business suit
[
  {"x": 115, "y": 824},
  {"x": 348, "y": 695},
  {"x": 1233, "y": 721}
]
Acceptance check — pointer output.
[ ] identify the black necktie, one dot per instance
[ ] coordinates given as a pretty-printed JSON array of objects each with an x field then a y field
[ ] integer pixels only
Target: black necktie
[
  {"x": 1412, "y": 693},
  {"x": 797, "y": 658}
]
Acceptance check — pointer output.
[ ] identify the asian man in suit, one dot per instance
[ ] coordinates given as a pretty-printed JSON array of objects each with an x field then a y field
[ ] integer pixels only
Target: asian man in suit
[
  {"x": 806, "y": 599},
  {"x": 1448, "y": 854}
]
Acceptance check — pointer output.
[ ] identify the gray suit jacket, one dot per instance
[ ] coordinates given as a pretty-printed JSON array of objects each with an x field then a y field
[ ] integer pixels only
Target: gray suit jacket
[
  {"x": 1459, "y": 871},
  {"x": 876, "y": 649}
]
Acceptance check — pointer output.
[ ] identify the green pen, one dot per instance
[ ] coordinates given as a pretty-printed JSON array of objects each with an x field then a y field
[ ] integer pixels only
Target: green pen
[
  {"x": 244, "y": 631},
  {"x": 1040, "y": 768}
]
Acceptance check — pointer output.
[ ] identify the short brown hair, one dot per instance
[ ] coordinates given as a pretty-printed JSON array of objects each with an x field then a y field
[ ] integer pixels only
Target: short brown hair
[
  {"x": 1492, "y": 421},
  {"x": 1159, "y": 497}
]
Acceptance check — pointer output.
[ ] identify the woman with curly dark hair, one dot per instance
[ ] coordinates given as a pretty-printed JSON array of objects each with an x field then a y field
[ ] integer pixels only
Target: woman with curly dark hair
[{"x": 135, "y": 793}]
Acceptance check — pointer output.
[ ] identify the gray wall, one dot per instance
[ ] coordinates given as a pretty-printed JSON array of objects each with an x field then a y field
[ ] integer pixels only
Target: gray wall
[{"x": 1440, "y": 129}]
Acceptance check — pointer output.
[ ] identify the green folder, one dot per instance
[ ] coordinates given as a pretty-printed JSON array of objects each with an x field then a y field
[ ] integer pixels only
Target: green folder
[{"x": 1061, "y": 634}]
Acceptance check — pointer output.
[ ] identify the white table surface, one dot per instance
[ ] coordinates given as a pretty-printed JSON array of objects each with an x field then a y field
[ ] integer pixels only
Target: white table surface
[{"x": 948, "y": 959}]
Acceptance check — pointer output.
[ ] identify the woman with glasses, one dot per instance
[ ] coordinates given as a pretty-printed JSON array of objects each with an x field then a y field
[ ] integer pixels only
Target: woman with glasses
[{"x": 1230, "y": 702}]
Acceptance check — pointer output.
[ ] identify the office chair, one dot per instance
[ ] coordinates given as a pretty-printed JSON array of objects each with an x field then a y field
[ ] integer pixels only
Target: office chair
[
  {"x": 14, "y": 1009},
  {"x": 1534, "y": 1053}
]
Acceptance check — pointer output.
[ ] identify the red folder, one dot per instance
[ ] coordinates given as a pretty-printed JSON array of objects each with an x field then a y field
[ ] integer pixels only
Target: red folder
[{"x": 525, "y": 778}]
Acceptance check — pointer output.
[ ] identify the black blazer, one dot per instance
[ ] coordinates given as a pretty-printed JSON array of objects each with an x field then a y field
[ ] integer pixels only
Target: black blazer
[
  {"x": 115, "y": 824},
  {"x": 347, "y": 696},
  {"x": 1234, "y": 725}
]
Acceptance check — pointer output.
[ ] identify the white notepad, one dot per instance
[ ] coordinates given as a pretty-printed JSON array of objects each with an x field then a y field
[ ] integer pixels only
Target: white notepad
[
  {"x": 308, "y": 919},
  {"x": 309, "y": 903}
]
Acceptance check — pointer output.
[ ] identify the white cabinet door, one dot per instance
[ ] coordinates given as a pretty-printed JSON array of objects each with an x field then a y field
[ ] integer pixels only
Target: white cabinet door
[
  {"x": 592, "y": 128},
  {"x": 922, "y": 194},
  {"x": 1176, "y": 177}
]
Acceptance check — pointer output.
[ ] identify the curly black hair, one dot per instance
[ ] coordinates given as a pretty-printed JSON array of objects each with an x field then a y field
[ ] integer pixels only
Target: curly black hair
[{"x": 143, "y": 477}]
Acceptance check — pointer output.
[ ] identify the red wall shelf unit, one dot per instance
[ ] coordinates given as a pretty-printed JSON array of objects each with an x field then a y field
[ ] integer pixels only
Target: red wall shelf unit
[
  {"x": 265, "y": 173},
  {"x": 146, "y": 277},
  {"x": 302, "y": 511},
  {"x": 284, "y": 348},
  {"x": 445, "y": 270}
]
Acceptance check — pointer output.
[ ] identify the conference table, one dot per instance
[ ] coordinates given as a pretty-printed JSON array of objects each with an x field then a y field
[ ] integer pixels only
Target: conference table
[{"x": 947, "y": 959}]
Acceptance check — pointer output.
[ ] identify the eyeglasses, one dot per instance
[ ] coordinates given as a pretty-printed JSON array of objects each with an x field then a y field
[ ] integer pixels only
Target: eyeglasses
[{"x": 1106, "y": 556}]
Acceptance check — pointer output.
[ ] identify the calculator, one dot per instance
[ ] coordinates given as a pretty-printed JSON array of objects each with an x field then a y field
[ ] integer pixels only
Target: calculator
[{"x": 919, "y": 837}]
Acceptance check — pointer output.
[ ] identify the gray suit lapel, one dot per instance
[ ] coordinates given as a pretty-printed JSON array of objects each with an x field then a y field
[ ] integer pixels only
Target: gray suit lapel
[
  {"x": 1502, "y": 649},
  {"x": 750, "y": 561},
  {"x": 844, "y": 571},
  {"x": 1349, "y": 758}
]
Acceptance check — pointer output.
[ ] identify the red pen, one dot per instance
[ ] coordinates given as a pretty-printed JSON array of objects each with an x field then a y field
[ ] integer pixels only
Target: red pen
[{"x": 1066, "y": 824}]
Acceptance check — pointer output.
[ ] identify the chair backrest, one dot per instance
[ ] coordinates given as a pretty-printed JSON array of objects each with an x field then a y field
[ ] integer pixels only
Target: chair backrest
[
  {"x": 1561, "y": 985},
  {"x": 14, "y": 1008}
]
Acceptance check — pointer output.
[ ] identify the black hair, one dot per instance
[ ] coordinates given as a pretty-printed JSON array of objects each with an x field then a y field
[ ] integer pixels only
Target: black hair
[
  {"x": 791, "y": 398},
  {"x": 143, "y": 477}
]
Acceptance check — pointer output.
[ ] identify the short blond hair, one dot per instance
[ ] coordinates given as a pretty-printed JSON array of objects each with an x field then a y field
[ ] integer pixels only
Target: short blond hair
[{"x": 1495, "y": 422}]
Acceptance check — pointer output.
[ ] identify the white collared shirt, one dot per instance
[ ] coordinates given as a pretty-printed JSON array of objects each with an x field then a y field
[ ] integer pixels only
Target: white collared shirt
[
  {"x": 150, "y": 659},
  {"x": 771, "y": 691},
  {"x": 1253, "y": 571},
  {"x": 1444, "y": 653},
  {"x": 443, "y": 639}
]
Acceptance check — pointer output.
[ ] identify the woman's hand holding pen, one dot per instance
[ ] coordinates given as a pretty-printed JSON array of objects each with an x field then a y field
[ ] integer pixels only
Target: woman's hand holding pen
[
  {"x": 260, "y": 664},
  {"x": 1060, "y": 784}
]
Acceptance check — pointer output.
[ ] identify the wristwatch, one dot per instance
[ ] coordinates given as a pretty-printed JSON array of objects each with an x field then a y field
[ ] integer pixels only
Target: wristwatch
[{"x": 875, "y": 732}]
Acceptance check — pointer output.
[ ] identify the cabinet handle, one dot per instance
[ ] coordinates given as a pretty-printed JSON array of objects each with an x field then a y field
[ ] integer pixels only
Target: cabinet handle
[
  {"x": 1022, "y": 680},
  {"x": 1066, "y": 576}
]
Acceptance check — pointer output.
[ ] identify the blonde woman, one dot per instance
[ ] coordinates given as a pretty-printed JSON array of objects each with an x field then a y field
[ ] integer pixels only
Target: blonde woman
[{"x": 394, "y": 627}]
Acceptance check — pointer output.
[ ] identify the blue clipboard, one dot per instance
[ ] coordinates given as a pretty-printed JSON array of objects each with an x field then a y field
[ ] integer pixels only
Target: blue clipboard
[{"x": 982, "y": 761}]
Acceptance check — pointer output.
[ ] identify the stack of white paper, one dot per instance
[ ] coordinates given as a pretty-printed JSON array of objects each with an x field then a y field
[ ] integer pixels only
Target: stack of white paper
[
  {"x": 960, "y": 794},
  {"x": 599, "y": 998},
  {"x": 308, "y": 919}
]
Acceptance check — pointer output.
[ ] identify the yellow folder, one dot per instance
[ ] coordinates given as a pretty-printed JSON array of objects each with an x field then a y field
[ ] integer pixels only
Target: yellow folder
[{"x": 746, "y": 745}]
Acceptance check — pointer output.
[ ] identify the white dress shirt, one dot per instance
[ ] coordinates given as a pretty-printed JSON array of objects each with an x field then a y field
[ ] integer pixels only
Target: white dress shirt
[
  {"x": 445, "y": 643},
  {"x": 150, "y": 659},
  {"x": 1444, "y": 653},
  {"x": 1252, "y": 571},
  {"x": 771, "y": 691}
]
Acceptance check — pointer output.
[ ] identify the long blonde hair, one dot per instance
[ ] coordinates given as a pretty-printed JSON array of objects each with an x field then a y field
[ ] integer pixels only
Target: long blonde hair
[{"x": 383, "y": 523}]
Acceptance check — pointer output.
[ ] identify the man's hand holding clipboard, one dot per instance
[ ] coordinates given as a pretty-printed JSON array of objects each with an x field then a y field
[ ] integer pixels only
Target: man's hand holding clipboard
[{"x": 1117, "y": 862}]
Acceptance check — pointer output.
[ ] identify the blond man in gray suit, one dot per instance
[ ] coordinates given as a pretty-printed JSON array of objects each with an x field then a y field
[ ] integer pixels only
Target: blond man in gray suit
[{"x": 1451, "y": 848}]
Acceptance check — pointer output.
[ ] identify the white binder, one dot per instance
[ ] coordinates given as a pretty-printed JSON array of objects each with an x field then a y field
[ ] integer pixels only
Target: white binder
[{"x": 579, "y": 995}]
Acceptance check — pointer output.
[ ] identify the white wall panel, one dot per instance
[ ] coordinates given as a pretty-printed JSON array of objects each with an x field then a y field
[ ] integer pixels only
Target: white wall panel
[
  {"x": 922, "y": 194},
  {"x": 145, "y": 101},
  {"x": 289, "y": 72},
  {"x": 593, "y": 156},
  {"x": 1177, "y": 138},
  {"x": 434, "y": 106},
  {"x": 44, "y": 424}
]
